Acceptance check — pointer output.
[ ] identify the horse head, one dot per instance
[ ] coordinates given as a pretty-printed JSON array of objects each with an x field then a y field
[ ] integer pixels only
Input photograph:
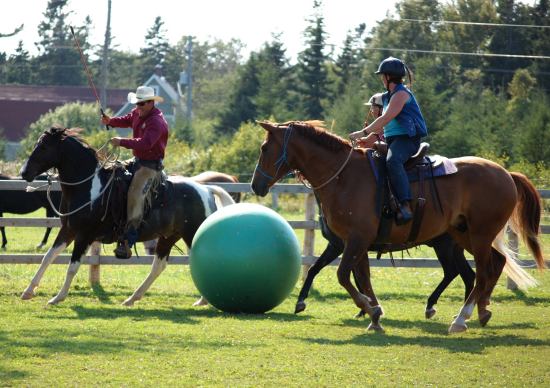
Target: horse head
[
  {"x": 49, "y": 151},
  {"x": 272, "y": 164}
]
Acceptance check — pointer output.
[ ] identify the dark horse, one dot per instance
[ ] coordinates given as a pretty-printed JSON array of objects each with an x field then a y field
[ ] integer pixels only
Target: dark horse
[
  {"x": 450, "y": 256},
  {"x": 22, "y": 202},
  {"x": 477, "y": 202},
  {"x": 90, "y": 212}
]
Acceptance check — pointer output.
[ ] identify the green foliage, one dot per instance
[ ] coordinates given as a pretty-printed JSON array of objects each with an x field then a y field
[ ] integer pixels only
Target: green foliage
[{"x": 71, "y": 115}]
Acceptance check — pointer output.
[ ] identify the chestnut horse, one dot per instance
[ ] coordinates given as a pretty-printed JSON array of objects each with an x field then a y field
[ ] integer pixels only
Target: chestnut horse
[{"x": 477, "y": 202}]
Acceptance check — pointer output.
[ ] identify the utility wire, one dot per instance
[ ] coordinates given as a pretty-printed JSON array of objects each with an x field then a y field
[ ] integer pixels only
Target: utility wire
[
  {"x": 473, "y": 23},
  {"x": 459, "y": 53}
]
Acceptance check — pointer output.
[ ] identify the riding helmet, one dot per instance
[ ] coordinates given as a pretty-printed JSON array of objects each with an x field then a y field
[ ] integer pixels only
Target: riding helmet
[{"x": 392, "y": 66}]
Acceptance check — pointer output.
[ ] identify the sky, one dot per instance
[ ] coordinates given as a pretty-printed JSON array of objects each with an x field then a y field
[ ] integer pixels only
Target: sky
[{"x": 251, "y": 21}]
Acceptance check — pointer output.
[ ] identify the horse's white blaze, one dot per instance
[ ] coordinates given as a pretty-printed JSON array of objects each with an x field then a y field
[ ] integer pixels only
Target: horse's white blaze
[
  {"x": 48, "y": 258},
  {"x": 96, "y": 187}
]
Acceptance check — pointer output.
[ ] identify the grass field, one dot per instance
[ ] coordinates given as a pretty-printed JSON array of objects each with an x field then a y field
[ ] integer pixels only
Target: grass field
[{"x": 91, "y": 340}]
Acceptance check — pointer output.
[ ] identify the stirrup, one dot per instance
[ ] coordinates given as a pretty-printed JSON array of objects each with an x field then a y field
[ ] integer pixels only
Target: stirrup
[{"x": 123, "y": 251}]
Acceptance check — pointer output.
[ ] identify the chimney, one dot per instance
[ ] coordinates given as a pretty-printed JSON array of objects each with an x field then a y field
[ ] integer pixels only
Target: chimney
[{"x": 158, "y": 70}]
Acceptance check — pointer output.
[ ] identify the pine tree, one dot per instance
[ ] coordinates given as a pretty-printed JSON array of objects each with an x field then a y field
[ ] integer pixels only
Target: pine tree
[
  {"x": 312, "y": 71},
  {"x": 19, "y": 66},
  {"x": 156, "y": 49}
]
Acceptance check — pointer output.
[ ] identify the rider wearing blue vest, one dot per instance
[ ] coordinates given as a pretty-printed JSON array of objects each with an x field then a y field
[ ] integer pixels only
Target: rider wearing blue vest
[{"x": 403, "y": 126}]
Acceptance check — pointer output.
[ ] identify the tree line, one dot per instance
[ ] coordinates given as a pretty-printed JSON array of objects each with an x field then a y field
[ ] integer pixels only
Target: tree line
[{"x": 481, "y": 74}]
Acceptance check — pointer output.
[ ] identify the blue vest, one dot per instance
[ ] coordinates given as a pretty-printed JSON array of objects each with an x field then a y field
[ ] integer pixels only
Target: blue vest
[{"x": 410, "y": 118}]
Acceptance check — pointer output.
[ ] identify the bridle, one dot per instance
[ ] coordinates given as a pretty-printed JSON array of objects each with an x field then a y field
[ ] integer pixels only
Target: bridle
[
  {"x": 283, "y": 159},
  {"x": 108, "y": 185}
]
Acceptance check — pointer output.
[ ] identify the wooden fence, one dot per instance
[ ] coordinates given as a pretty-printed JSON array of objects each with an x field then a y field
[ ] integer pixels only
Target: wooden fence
[{"x": 95, "y": 259}]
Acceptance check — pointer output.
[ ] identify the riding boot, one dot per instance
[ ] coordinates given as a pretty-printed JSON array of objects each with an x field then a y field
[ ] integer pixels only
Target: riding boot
[
  {"x": 404, "y": 213},
  {"x": 124, "y": 245}
]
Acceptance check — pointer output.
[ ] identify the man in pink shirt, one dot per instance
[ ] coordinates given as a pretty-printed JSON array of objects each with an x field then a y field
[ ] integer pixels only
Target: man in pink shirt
[{"x": 148, "y": 142}]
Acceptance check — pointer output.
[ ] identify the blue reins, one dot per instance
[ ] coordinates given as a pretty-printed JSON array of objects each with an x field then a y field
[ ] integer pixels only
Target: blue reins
[{"x": 282, "y": 159}]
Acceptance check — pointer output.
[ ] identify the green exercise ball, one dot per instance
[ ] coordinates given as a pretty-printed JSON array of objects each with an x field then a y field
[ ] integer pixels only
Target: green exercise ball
[{"x": 245, "y": 258}]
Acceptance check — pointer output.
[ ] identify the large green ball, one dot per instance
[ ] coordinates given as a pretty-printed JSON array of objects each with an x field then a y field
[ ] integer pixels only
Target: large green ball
[{"x": 245, "y": 258}]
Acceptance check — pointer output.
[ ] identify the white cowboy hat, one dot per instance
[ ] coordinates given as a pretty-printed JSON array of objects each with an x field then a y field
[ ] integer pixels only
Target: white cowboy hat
[
  {"x": 376, "y": 99},
  {"x": 143, "y": 93}
]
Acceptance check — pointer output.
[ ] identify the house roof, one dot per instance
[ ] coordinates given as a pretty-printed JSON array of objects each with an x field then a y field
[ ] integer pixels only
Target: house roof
[{"x": 22, "y": 105}]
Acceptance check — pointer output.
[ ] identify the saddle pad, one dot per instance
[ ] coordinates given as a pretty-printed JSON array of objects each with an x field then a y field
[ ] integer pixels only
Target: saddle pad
[{"x": 431, "y": 167}]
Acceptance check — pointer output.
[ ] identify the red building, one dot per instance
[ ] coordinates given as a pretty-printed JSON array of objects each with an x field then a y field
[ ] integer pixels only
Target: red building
[{"x": 21, "y": 105}]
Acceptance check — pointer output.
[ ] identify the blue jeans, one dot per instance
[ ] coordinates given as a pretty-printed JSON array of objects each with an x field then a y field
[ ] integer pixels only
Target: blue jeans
[{"x": 400, "y": 148}]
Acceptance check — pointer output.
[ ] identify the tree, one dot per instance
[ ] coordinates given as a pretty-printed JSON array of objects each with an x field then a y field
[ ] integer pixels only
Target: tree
[
  {"x": 312, "y": 71},
  {"x": 19, "y": 67},
  {"x": 155, "y": 51},
  {"x": 59, "y": 61},
  {"x": 349, "y": 63}
]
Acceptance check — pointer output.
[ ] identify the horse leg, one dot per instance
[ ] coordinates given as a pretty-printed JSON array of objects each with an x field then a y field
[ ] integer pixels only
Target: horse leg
[
  {"x": 464, "y": 270},
  {"x": 63, "y": 239},
  {"x": 3, "y": 230},
  {"x": 44, "y": 239},
  {"x": 482, "y": 251},
  {"x": 362, "y": 280},
  {"x": 80, "y": 248},
  {"x": 494, "y": 273},
  {"x": 353, "y": 253},
  {"x": 160, "y": 261},
  {"x": 444, "y": 247},
  {"x": 330, "y": 253}
]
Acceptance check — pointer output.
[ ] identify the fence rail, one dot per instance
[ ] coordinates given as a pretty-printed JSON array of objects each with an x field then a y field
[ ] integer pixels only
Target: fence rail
[{"x": 95, "y": 259}]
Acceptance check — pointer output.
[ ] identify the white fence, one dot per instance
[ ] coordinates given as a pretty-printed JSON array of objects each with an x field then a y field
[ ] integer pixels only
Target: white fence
[{"x": 95, "y": 259}]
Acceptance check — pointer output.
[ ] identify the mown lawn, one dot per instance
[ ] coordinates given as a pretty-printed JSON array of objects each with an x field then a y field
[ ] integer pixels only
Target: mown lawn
[{"x": 90, "y": 340}]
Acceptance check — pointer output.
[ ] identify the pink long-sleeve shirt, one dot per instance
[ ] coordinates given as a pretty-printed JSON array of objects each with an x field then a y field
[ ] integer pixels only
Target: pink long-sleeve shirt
[{"x": 150, "y": 134}]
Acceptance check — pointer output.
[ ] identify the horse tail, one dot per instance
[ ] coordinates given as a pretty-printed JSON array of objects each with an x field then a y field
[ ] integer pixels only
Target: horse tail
[
  {"x": 525, "y": 220},
  {"x": 224, "y": 198}
]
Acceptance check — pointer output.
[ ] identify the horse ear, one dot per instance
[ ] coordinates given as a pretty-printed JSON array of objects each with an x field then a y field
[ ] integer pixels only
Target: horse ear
[
  {"x": 265, "y": 125},
  {"x": 56, "y": 130}
]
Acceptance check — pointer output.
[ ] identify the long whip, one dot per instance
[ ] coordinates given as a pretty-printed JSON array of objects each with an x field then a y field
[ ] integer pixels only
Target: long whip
[{"x": 88, "y": 73}]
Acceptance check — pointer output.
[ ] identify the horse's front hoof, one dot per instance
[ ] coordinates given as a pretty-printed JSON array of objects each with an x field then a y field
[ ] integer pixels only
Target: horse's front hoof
[
  {"x": 300, "y": 306},
  {"x": 430, "y": 313},
  {"x": 201, "y": 302},
  {"x": 360, "y": 314},
  {"x": 128, "y": 302},
  {"x": 376, "y": 327},
  {"x": 56, "y": 300},
  {"x": 457, "y": 328},
  {"x": 39, "y": 247},
  {"x": 484, "y": 318},
  {"x": 27, "y": 294}
]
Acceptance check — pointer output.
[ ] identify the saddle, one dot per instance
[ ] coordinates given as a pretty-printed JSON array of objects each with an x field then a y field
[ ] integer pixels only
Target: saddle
[
  {"x": 419, "y": 168},
  {"x": 160, "y": 194}
]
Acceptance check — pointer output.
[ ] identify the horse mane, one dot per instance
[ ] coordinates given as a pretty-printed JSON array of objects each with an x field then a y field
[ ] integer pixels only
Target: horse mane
[
  {"x": 74, "y": 133},
  {"x": 315, "y": 130}
]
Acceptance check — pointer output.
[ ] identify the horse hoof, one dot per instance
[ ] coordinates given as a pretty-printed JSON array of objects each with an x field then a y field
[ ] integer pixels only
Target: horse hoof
[
  {"x": 201, "y": 302},
  {"x": 377, "y": 312},
  {"x": 457, "y": 328},
  {"x": 483, "y": 319},
  {"x": 376, "y": 327},
  {"x": 55, "y": 301},
  {"x": 300, "y": 306},
  {"x": 27, "y": 295},
  {"x": 128, "y": 302},
  {"x": 360, "y": 314},
  {"x": 430, "y": 313}
]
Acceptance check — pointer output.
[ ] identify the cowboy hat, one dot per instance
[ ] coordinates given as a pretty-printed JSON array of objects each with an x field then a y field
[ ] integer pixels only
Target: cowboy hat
[
  {"x": 376, "y": 99},
  {"x": 143, "y": 93}
]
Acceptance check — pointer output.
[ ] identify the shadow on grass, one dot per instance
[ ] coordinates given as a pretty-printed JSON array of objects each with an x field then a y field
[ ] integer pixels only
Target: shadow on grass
[
  {"x": 174, "y": 314},
  {"x": 8, "y": 377}
]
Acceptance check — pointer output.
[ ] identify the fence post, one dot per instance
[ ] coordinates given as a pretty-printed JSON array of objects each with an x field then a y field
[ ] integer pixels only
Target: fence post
[
  {"x": 275, "y": 201},
  {"x": 513, "y": 242},
  {"x": 309, "y": 234},
  {"x": 94, "y": 255}
]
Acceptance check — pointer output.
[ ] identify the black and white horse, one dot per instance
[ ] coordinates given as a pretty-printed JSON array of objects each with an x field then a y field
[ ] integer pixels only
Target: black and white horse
[
  {"x": 22, "y": 202},
  {"x": 89, "y": 210}
]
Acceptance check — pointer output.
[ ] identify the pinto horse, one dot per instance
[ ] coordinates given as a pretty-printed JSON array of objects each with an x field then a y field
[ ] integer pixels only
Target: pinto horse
[
  {"x": 450, "y": 256},
  {"x": 476, "y": 202},
  {"x": 22, "y": 202},
  {"x": 89, "y": 209}
]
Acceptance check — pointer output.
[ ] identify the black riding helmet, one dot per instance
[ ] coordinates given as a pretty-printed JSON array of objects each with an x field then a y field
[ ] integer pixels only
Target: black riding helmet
[{"x": 392, "y": 67}]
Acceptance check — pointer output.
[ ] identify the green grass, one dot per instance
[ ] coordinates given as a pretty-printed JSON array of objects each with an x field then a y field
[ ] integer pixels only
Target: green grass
[{"x": 91, "y": 340}]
